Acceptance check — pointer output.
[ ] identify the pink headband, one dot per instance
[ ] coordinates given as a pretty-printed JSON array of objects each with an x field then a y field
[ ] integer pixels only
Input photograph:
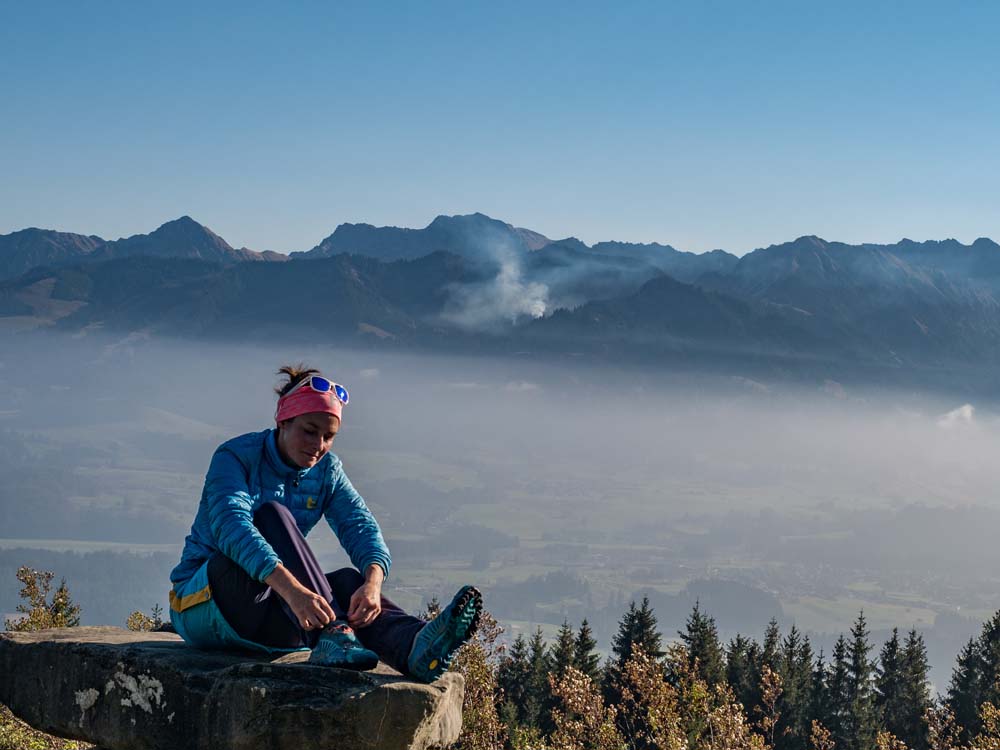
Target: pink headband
[{"x": 305, "y": 401}]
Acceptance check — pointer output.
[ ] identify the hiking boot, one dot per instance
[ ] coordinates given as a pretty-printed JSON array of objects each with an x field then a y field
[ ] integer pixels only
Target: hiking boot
[
  {"x": 339, "y": 647},
  {"x": 436, "y": 642}
]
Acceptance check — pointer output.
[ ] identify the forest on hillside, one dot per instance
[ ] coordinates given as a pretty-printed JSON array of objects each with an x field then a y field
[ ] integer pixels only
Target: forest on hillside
[{"x": 660, "y": 692}]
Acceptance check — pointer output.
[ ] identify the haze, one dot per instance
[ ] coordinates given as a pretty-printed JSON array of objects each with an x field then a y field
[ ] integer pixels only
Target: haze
[{"x": 562, "y": 492}]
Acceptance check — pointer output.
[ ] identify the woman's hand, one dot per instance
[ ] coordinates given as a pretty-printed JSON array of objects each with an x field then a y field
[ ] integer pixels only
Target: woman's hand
[
  {"x": 311, "y": 609},
  {"x": 366, "y": 602}
]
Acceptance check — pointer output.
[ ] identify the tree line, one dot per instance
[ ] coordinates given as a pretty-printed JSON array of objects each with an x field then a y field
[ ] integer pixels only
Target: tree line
[
  {"x": 697, "y": 692},
  {"x": 693, "y": 693}
]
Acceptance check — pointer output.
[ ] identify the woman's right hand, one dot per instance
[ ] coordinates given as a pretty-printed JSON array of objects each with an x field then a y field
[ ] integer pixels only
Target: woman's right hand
[{"x": 311, "y": 609}]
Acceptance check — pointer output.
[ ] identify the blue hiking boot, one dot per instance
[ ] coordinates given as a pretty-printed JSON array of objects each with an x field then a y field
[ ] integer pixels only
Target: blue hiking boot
[
  {"x": 437, "y": 641},
  {"x": 339, "y": 647}
]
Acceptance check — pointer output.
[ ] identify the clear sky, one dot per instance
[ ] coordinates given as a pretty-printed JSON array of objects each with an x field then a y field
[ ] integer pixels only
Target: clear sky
[{"x": 701, "y": 124}]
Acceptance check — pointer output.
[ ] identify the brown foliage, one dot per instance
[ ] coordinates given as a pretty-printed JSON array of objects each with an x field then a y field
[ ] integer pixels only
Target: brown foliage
[
  {"x": 38, "y": 612},
  {"x": 141, "y": 622},
  {"x": 820, "y": 737},
  {"x": 582, "y": 721},
  {"x": 477, "y": 662}
]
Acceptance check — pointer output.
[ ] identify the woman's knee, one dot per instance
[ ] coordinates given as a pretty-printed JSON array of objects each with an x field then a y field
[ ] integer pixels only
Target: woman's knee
[
  {"x": 344, "y": 582},
  {"x": 273, "y": 511},
  {"x": 346, "y": 577}
]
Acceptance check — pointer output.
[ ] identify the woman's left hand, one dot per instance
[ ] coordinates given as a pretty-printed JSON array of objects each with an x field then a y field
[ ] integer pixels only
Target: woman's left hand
[{"x": 366, "y": 605}]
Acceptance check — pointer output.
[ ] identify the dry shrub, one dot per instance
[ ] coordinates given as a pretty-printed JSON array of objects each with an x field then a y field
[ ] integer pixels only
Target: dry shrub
[
  {"x": 771, "y": 690},
  {"x": 141, "y": 622},
  {"x": 649, "y": 710},
  {"x": 820, "y": 737},
  {"x": 889, "y": 741},
  {"x": 944, "y": 733},
  {"x": 712, "y": 719},
  {"x": 38, "y": 613},
  {"x": 582, "y": 721},
  {"x": 989, "y": 737},
  {"x": 477, "y": 662}
]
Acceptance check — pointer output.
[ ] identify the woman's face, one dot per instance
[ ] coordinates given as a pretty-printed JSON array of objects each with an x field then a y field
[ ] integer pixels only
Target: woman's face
[{"x": 305, "y": 439}]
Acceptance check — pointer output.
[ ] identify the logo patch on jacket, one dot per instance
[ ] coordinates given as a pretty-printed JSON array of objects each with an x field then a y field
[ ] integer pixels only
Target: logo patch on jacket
[{"x": 310, "y": 503}]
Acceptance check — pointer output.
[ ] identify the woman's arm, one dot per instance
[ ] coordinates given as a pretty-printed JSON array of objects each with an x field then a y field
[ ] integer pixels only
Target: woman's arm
[
  {"x": 366, "y": 602},
  {"x": 230, "y": 517},
  {"x": 312, "y": 609},
  {"x": 356, "y": 528}
]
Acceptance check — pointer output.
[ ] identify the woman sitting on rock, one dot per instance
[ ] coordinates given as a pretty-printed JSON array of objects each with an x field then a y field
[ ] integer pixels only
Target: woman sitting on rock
[{"x": 248, "y": 579}]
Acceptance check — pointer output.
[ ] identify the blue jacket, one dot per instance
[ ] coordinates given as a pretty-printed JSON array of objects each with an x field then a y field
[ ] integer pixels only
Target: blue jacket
[{"x": 247, "y": 472}]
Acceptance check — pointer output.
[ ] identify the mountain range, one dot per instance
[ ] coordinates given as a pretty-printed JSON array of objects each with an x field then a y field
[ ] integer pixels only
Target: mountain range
[
  {"x": 473, "y": 283},
  {"x": 181, "y": 238}
]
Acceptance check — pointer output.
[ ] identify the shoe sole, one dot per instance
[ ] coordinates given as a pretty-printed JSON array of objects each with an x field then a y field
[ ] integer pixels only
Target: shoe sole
[{"x": 464, "y": 613}]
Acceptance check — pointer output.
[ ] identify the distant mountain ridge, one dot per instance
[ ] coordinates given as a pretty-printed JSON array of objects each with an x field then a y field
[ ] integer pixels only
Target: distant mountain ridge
[
  {"x": 181, "y": 238},
  {"x": 28, "y": 248},
  {"x": 474, "y": 235},
  {"x": 476, "y": 283}
]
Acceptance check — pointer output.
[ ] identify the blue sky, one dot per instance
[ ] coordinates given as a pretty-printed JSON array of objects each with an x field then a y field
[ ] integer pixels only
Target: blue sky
[{"x": 702, "y": 124}]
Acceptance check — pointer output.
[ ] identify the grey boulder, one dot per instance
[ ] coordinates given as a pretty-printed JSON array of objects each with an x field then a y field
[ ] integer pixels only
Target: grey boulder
[{"x": 148, "y": 691}]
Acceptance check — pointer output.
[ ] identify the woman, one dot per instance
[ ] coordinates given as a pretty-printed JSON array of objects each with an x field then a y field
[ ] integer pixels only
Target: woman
[{"x": 248, "y": 579}]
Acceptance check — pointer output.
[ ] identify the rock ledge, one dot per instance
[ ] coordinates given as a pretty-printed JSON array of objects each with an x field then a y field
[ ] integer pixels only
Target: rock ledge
[{"x": 148, "y": 691}]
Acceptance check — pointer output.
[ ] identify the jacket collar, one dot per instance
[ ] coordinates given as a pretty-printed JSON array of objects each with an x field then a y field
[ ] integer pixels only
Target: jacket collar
[{"x": 274, "y": 457}]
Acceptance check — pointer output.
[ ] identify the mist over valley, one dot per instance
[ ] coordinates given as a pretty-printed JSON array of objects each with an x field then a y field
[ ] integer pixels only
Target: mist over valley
[{"x": 563, "y": 491}]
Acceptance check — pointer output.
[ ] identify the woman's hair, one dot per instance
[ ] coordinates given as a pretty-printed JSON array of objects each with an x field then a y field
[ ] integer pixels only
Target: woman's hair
[{"x": 295, "y": 374}]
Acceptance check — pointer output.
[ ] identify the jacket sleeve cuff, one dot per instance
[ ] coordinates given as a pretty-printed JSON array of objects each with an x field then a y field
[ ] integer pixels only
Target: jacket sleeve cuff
[
  {"x": 268, "y": 568},
  {"x": 380, "y": 561}
]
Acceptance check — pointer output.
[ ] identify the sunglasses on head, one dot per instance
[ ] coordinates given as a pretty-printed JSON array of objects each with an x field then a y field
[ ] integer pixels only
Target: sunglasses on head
[{"x": 321, "y": 385}]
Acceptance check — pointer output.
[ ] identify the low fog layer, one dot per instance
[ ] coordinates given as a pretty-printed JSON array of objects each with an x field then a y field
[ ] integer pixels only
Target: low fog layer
[{"x": 584, "y": 488}]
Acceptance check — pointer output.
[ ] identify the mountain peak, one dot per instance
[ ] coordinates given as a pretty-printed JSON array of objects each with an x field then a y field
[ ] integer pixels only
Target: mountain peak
[
  {"x": 185, "y": 225},
  {"x": 466, "y": 221},
  {"x": 811, "y": 239},
  {"x": 181, "y": 238}
]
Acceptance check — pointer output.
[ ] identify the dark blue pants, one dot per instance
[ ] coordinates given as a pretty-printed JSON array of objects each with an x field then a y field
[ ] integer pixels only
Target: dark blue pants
[{"x": 258, "y": 614}]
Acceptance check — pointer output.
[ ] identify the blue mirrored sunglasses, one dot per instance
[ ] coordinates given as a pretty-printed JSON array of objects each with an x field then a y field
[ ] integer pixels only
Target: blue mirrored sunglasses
[{"x": 321, "y": 385}]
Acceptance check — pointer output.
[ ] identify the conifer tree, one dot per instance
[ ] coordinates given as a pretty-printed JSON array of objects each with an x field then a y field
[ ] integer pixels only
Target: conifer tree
[
  {"x": 701, "y": 638},
  {"x": 964, "y": 691},
  {"x": 621, "y": 651},
  {"x": 794, "y": 726},
  {"x": 989, "y": 660},
  {"x": 916, "y": 692},
  {"x": 770, "y": 653},
  {"x": 741, "y": 654},
  {"x": 636, "y": 631},
  {"x": 585, "y": 656},
  {"x": 564, "y": 652},
  {"x": 838, "y": 692},
  {"x": 976, "y": 678},
  {"x": 561, "y": 659},
  {"x": 65, "y": 614},
  {"x": 621, "y": 642},
  {"x": 889, "y": 686},
  {"x": 819, "y": 695},
  {"x": 862, "y": 721},
  {"x": 647, "y": 636},
  {"x": 766, "y": 655},
  {"x": 539, "y": 665},
  {"x": 513, "y": 675}
]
